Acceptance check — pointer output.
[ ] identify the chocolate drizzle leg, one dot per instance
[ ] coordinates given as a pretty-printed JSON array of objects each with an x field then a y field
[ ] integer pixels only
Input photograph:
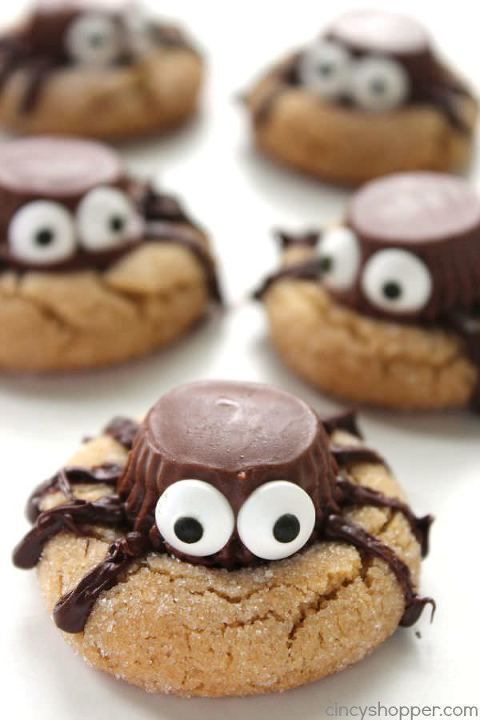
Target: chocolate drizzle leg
[
  {"x": 351, "y": 494},
  {"x": 72, "y": 611},
  {"x": 310, "y": 269},
  {"x": 186, "y": 237},
  {"x": 349, "y": 454},
  {"x": 107, "y": 474},
  {"x": 467, "y": 325},
  {"x": 307, "y": 239},
  {"x": 346, "y": 421},
  {"x": 69, "y": 517},
  {"x": 283, "y": 77},
  {"x": 158, "y": 206},
  {"x": 123, "y": 430},
  {"x": 339, "y": 528},
  {"x": 37, "y": 80}
]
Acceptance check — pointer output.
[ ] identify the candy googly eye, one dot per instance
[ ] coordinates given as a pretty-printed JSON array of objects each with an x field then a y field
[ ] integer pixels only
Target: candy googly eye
[
  {"x": 93, "y": 39},
  {"x": 276, "y": 520},
  {"x": 325, "y": 69},
  {"x": 379, "y": 84},
  {"x": 140, "y": 31},
  {"x": 42, "y": 233},
  {"x": 397, "y": 281},
  {"x": 194, "y": 518},
  {"x": 107, "y": 219},
  {"x": 339, "y": 256}
]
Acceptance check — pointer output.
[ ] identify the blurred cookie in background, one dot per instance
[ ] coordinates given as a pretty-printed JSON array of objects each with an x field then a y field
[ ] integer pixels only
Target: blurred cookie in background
[
  {"x": 370, "y": 96},
  {"x": 95, "y": 266},
  {"x": 99, "y": 69},
  {"x": 384, "y": 309}
]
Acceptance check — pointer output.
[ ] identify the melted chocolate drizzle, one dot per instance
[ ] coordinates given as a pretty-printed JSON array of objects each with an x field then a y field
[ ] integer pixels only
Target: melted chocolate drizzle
[
  {"x": 37, "y": 80},
  {"x": 310, "y": 269},
  {"x": 73, "y": 609},
  {"x": 345, "y": 421},
  {"x": 71, "y": 612},
  {"x": 307, "y": 239},
  {"x": 158, "y": 231},
  {"x": 123, "y": 430},
  {"x": 70, "y": 517},
  {"x": 468, "y": 328},
  {"x": 351, "y": 494},
  {"x": 339, "y": 528},
  {"x": 107, "y": 474},
  {"x": 160, "y": 206},
  {"x": 350, "y": 454},
  {"x": 285, "y": 77}
]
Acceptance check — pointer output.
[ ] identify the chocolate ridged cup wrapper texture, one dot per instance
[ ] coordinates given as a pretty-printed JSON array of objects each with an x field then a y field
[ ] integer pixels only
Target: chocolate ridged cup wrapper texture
[
  {"x": 434, "y": 216},
  {"x": 235, "y": 436}
]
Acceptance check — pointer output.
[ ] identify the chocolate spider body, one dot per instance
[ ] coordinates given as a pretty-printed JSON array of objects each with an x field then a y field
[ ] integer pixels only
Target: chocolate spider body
[
  {"x": 408, "y": 252},
  {"x": 221, "y": 474},
  {"x": 374, "y": 62},
  {"x": 70, "y": 33},
  {"x": 68, "y": 205}
]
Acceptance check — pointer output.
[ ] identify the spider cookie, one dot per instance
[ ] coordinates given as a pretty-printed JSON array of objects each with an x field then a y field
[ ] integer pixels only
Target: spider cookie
[
  {"x": 368, "y": 97},
  {"x": 95, "y": 267},
  {"x": 231, "y": 544},
  {"x": 97, "y": 69},
  {"x": 385, "y": 309}
]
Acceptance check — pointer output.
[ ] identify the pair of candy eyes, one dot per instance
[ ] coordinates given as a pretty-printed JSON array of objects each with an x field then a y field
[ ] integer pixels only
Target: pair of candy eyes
[
  {"x": 95, "y": 39},
  {"x": 393, "y": 279},
  {"x": 196, "y": 519},
  {"x": 374, "y": 83},
  {"x": 43, "y": 232}
]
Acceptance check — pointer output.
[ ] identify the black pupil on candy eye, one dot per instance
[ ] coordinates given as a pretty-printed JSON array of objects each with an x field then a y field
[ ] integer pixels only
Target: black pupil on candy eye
[
  {"x": 96, "y": 40},
  {"x": 325, "y": 68},
  {"x": 44, "y": 237},
  {"x": 326, "y": 263},
  {"x": 286, "y": 528},
  {"x": 392, "y": 290},
  {"x": 117, "y": 223},
  {"x": 378, "y": 86},
  {"x": 188, "y": 530}
]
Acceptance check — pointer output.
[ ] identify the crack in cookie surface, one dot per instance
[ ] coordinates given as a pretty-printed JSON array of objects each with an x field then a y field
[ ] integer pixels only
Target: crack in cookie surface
[{"x": 132, "y": 607}]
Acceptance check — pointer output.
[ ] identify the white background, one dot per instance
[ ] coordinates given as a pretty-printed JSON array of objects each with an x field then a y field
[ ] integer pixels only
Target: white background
[{"x": 240, "y": 197}]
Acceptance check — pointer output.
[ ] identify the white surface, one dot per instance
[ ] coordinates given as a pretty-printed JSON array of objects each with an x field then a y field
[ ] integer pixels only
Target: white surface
[{"x": 240, "y": 197}]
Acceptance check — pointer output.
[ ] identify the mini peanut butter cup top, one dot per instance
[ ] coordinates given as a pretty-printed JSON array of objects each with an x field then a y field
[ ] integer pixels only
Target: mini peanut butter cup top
[
  {"x": 415, "y": 208},
  {"x": 231, "y": 425},
  {"x": 56, "y": 167},
  {"x": 381, "y": 32}
]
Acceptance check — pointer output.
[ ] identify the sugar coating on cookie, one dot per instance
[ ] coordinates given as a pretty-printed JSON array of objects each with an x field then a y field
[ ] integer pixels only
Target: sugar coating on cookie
[{"x": 106, "y": 601}]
